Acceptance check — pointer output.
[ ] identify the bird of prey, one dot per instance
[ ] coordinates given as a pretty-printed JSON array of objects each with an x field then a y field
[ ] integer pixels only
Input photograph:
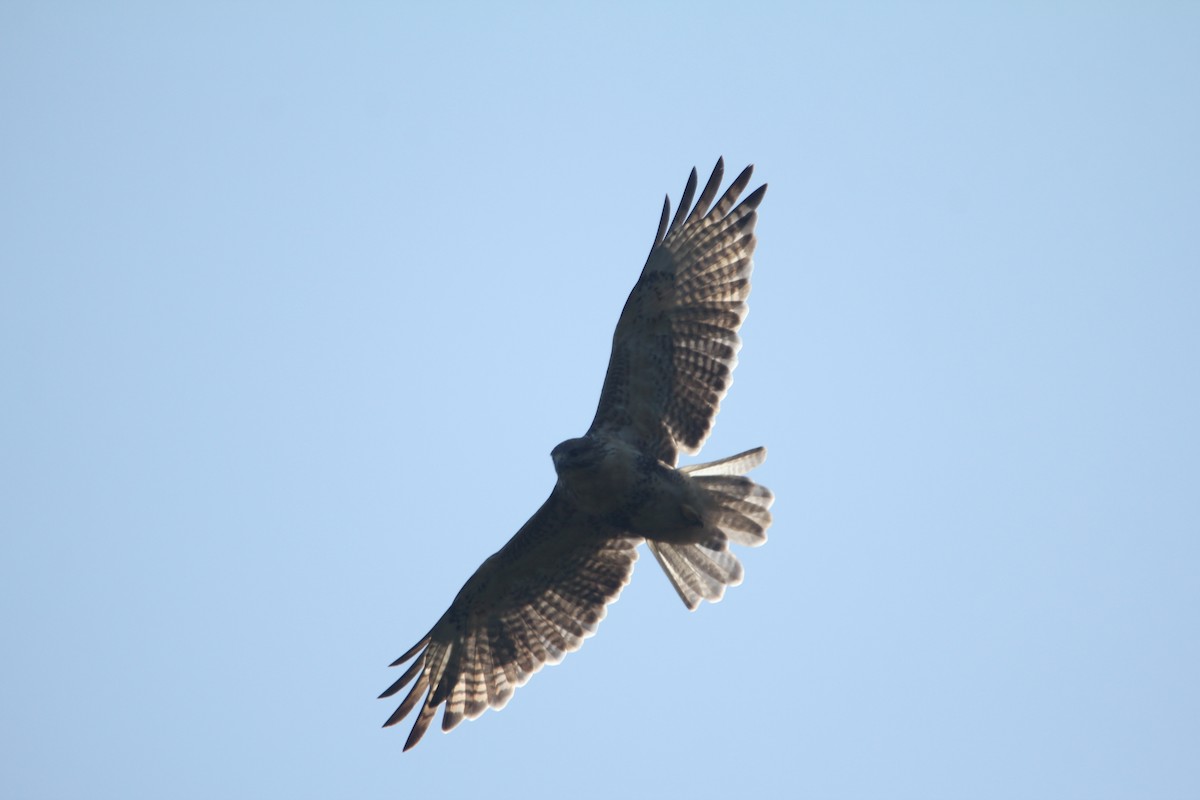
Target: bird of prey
[{"x": 673, "y": 355}]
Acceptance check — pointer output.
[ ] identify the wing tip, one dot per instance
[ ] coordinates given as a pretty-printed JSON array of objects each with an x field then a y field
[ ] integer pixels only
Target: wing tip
[
  {"x": 663, "y": 220},
  {"x": 753, "y": 199},
  {"x": 412, "y": 651}
]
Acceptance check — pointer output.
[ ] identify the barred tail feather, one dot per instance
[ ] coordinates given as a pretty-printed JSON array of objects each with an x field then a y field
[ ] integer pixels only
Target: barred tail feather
[
  {"x": 698, "y": 571},
  {"x": 732, "y": 465},
  {"x": 739, "y": 511}
]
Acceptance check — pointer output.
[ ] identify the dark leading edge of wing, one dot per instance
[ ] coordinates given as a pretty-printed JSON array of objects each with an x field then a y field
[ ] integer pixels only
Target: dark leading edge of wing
[{"x": 675, "y": 346}]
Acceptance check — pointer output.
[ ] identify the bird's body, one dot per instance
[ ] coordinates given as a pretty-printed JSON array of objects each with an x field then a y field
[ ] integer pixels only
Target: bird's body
[
  {"x": 674, "y": 351},
  {"x": 613, "y": 481}
]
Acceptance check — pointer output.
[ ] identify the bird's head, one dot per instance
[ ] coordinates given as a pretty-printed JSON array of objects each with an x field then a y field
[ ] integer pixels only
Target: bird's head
[{"x": 574, "y": 454}]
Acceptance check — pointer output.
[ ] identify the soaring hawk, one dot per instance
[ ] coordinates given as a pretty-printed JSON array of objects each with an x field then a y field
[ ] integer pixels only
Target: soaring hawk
[{"x": 673, "y": 355}]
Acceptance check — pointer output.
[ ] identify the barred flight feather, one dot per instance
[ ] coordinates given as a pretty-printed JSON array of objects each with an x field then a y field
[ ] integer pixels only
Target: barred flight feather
[
  {"x": 688, "y": 303},
  {"x": 495, "y": 637}
]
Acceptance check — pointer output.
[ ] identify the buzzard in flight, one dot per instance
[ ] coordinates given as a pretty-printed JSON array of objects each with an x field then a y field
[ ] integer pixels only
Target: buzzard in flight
[{"x": 673, "y": 355}]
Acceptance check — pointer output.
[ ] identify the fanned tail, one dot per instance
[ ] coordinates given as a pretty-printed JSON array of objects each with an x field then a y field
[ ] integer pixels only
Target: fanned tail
[{"x": 738, "y": 511}]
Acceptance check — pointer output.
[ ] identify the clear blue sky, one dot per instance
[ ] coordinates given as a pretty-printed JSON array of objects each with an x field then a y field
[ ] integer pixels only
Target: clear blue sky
[{"x": 296, "y": 299}]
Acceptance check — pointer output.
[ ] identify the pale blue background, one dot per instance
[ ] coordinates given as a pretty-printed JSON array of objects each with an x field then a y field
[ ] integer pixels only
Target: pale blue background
[{"x": 297, "y": 298}]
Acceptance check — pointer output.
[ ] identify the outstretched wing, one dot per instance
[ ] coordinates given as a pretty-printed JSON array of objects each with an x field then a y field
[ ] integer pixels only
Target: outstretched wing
[
  {"x": 676, "y": 343},
  {"x": 528, "y": 605}
]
